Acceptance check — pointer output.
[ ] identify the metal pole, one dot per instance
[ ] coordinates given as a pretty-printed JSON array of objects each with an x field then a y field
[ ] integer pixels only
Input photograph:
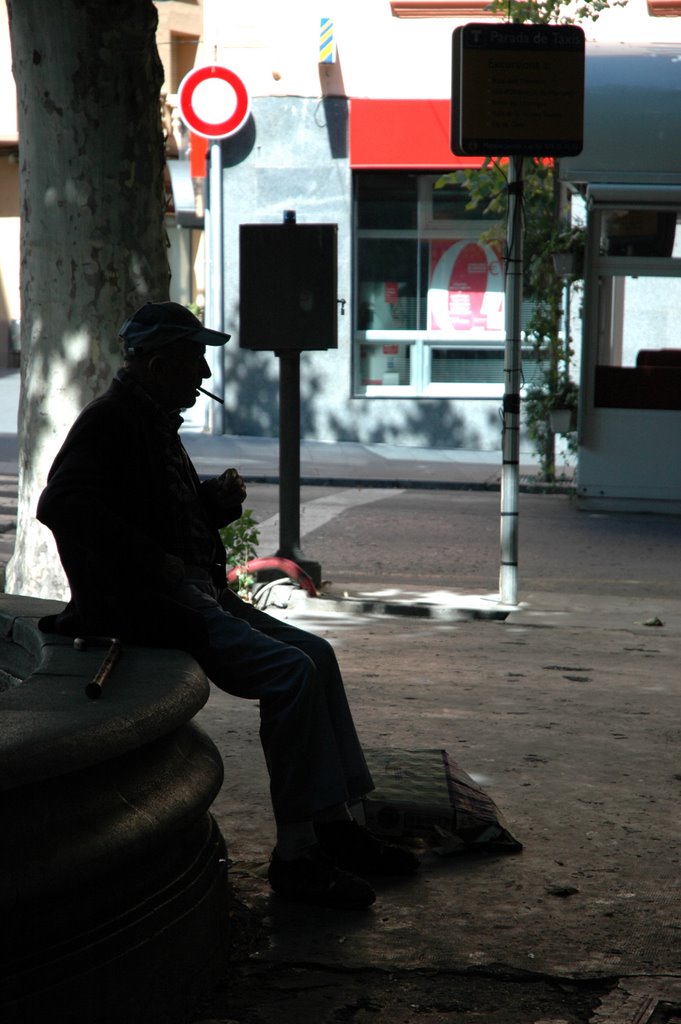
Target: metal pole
[
  {"x": 215, "y": 315},
  {"x": 289, "y": 466},
  {"x": 508, "y": 572},
  {"x": 289, "y": 455}
]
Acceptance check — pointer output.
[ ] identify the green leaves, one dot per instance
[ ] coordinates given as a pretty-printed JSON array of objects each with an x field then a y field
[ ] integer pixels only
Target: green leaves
[{"x": 241, "y": 540}]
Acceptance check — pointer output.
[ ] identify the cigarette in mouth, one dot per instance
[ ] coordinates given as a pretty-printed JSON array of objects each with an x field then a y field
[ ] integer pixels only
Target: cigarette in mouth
[{"x": 211, "y": 395}]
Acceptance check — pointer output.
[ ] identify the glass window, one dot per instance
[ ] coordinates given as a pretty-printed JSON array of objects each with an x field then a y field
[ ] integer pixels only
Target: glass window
[
  {"x": 649, "y": 317},
  {"x": 449, "y": 202},
  {"x": 639, "y": 233},
  {"x": 385, "y": 365},
  {"x": 386, "y": 200},
  {"x": 465, "y": 290},
  {"x": 640, "y": 291},
  {"x": 388, "y": 297},
  {"x": 639, "y": 294},
  {"x": 475, "y": 366},
  {"x": 429, "y": 289}
]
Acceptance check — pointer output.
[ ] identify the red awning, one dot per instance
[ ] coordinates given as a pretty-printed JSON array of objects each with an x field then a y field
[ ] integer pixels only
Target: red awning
[{"x": 404, "y": 134}]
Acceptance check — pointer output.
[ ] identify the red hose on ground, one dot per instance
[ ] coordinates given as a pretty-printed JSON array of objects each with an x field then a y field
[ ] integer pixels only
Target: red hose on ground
[{"x": 288, "y": 567}]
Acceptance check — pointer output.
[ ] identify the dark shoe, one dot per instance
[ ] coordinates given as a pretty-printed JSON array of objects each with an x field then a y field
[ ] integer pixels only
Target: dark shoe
[
  {"x": 315, "y": 879},
  {"x": 353, "y": 847}
]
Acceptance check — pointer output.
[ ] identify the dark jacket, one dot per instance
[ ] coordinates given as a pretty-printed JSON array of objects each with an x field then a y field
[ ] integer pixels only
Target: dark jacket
[{"x": 108, "y": 504}]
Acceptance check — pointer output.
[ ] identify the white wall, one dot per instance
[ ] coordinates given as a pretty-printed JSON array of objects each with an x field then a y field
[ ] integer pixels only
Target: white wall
[{"x": 273, "y": 46}]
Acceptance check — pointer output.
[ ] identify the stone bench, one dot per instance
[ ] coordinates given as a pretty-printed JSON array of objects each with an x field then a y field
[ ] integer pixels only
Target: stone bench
[{"x": 113, "y": 877}]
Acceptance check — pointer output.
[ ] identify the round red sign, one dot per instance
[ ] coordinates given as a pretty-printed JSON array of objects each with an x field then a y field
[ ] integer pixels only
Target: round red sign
[{"x": 213, "y": 102}]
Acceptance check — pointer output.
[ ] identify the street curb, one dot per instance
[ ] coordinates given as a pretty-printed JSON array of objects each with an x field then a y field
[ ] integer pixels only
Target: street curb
[
  {"x": 441, "y": 613},
  {"x": 527, "y": 486}
]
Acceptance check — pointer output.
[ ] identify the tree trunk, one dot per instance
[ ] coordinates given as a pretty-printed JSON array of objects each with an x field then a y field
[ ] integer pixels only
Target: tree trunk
[{"x": 93, "y": 243}]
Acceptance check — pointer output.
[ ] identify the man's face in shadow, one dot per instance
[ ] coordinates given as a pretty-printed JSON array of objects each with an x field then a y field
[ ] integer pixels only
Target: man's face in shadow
[{"x": 176, "y": 372}]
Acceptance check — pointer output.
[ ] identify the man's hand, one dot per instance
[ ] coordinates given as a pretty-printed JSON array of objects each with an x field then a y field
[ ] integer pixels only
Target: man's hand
[{"x": 231, "y": 489}]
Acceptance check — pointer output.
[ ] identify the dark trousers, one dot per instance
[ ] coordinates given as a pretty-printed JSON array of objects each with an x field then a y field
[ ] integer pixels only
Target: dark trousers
[{"x": 307, "y": 733}]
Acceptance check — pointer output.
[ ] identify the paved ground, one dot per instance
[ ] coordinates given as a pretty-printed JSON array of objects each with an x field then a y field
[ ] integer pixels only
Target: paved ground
[{"x": 565, "y": 712}]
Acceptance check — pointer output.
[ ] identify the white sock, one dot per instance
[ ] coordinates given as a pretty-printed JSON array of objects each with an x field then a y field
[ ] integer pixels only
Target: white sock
[{"x": 358, "y": 813}]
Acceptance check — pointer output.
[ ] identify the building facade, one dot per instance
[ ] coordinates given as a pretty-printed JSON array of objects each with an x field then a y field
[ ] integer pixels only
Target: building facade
[{"x": 350, "y": 125}]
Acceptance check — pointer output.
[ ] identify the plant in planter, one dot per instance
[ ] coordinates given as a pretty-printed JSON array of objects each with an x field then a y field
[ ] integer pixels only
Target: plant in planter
[
  {"x": 568, "y": 256},
  {"x": 563, "y": 409},
  {"x": 552, "y": 410}
]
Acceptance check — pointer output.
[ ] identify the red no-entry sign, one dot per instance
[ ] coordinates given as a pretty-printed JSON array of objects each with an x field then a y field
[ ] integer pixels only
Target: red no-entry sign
[{"x": 213, "y": 102}]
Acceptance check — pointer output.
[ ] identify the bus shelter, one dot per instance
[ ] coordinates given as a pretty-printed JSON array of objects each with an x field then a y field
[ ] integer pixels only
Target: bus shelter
[{"x": 629, "y": 174}]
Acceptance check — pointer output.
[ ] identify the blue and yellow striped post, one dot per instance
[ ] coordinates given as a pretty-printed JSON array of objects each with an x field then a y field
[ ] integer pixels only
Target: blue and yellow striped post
[{"x": 327, "y": 45}]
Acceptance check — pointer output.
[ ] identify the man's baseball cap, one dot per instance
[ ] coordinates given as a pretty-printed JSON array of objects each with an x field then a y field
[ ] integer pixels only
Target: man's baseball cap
[{"x": 159, "y": 323}]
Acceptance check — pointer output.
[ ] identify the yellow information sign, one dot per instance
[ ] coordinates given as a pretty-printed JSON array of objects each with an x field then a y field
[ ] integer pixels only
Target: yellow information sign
[{"x": 517, "y": 90}]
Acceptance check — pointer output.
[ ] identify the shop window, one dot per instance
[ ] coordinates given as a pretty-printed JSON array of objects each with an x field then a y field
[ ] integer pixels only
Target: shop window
[{"x": 429, "y": 290}]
